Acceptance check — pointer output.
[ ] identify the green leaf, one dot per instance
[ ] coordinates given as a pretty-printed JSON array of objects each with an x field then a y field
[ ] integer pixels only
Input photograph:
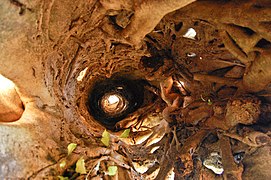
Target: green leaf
[
  {"x": 209, "y": 102},
  {"x": 63, "y": 178},
  {"x": 80, "y": 166},
  {"x": 112, "y": 170},
  {"x": 105, "y": 138},
  {"x": 125, "y": 133},
  {"x": 62, "y": 164},
  {"x": 71, "y": 148}
]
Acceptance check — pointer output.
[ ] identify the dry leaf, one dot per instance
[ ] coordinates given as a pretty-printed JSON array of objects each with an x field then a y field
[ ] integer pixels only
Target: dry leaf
[
  {"x": 105, "y": 138},
  {"x": 62, "y": 164},
  {"x": 112, "y": 170},
  {"x": 80, "y": 166},
  {"x": 71, "y": 148},
  {"x": 63, "y": 178},
  {"x": 125, "y": 133}
]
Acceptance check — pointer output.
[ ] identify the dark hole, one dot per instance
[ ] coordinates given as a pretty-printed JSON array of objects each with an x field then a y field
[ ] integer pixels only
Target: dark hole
[
  {"x": 211, "y": 138},
  {"x": 178, "y": 26},
  {"x": 247, "y": 31},
  {"x": 130, "y": 90},
  {"x": 212, "y": 41},
  {"x": 263, "y": 44},
  {"x": 257, "y": 6},
  {"x": 152, "y": 39},
  {"x": 70, "y": 172},
  {"x": 113, "y": 20},
  {"x": 265, "y": 116},
  {"x": 238, "y": 157},
  {"x": 22, "y": 11},
  {"x": 152, "y": 62},
  {"x": 221, "y": 46},
  {"x": 220, "y": 72}
]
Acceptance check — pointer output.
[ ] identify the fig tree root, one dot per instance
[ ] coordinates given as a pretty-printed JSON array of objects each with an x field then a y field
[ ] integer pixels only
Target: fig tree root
[{"x": 205, "y": 67}]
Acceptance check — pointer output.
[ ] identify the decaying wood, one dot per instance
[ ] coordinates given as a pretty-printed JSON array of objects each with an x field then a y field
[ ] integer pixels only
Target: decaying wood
[
  {"x": 215, "y": 79},
  {"x": 147, "y": 15},
  {"x": 232, "y": 170},
  {"x": 260, "y": 68},
  {"x": 253, "y": 139},
  {"x": 203, "y": 80}
]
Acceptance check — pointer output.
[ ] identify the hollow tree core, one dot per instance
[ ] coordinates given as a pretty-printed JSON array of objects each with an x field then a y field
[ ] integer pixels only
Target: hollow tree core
[{"x": 205, "y": 73}]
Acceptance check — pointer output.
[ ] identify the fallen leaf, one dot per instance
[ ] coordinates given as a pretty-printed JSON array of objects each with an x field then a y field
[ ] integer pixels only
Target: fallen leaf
[
  {"x": 80, "y": 166},
  {"x": 125, "y": 133},
  {"x": 63, "y": 178},
  {"x": 62, "y": 164},
  {"x": 209, "y": 102},
  {"x": 71, "y": 148},
  {"x": 112, "y": 170},
  {"x": 105, "y": 138}
]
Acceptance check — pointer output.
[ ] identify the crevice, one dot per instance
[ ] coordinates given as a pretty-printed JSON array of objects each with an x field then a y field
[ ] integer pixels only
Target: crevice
[
  {"x": 263, "y": 43},
  {"x": 178, "y": 26},
  {"x": 22, "y": 6}
]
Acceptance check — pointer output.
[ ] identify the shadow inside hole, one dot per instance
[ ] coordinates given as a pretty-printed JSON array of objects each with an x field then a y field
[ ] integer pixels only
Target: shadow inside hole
[{"x": 132, "y": 91}]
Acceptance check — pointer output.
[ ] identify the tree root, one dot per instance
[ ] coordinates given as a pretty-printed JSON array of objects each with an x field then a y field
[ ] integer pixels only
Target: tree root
[
  {"x": 259, "y": 72},
  {"x": 253, "y": 139},
  {"x": 232, "y": 170},
  {"x": 147, "y": 15},
  {"x": 188, "y": 149},
  {"x": 215, "y": 79}
]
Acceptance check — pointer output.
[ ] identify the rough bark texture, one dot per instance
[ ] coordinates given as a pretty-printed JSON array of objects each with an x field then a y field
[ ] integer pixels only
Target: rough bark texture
[{"x": 204, "y": 93}]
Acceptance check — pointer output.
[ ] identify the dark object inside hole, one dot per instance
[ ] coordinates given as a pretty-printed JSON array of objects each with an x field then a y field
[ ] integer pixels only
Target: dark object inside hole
[
  {"x": 152, "y": 62},
  {"x": 113, "y": 20},
  {"x": 238, "y": 157},
  {"x": 178, "y": 26},
  {"x": 112, "y": 100},
  {"x": 263, "y": 44}
]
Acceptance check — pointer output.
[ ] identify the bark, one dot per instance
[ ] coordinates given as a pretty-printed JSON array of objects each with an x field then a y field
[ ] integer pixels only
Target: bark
[
  {"x": 45, "y": 46},
  {"x": 147, "y": 15},
  {"x": 258, "y": 76}
]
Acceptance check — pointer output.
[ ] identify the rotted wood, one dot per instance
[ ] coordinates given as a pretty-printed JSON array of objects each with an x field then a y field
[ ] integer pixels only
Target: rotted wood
[{"x": 232, "y": 170}]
